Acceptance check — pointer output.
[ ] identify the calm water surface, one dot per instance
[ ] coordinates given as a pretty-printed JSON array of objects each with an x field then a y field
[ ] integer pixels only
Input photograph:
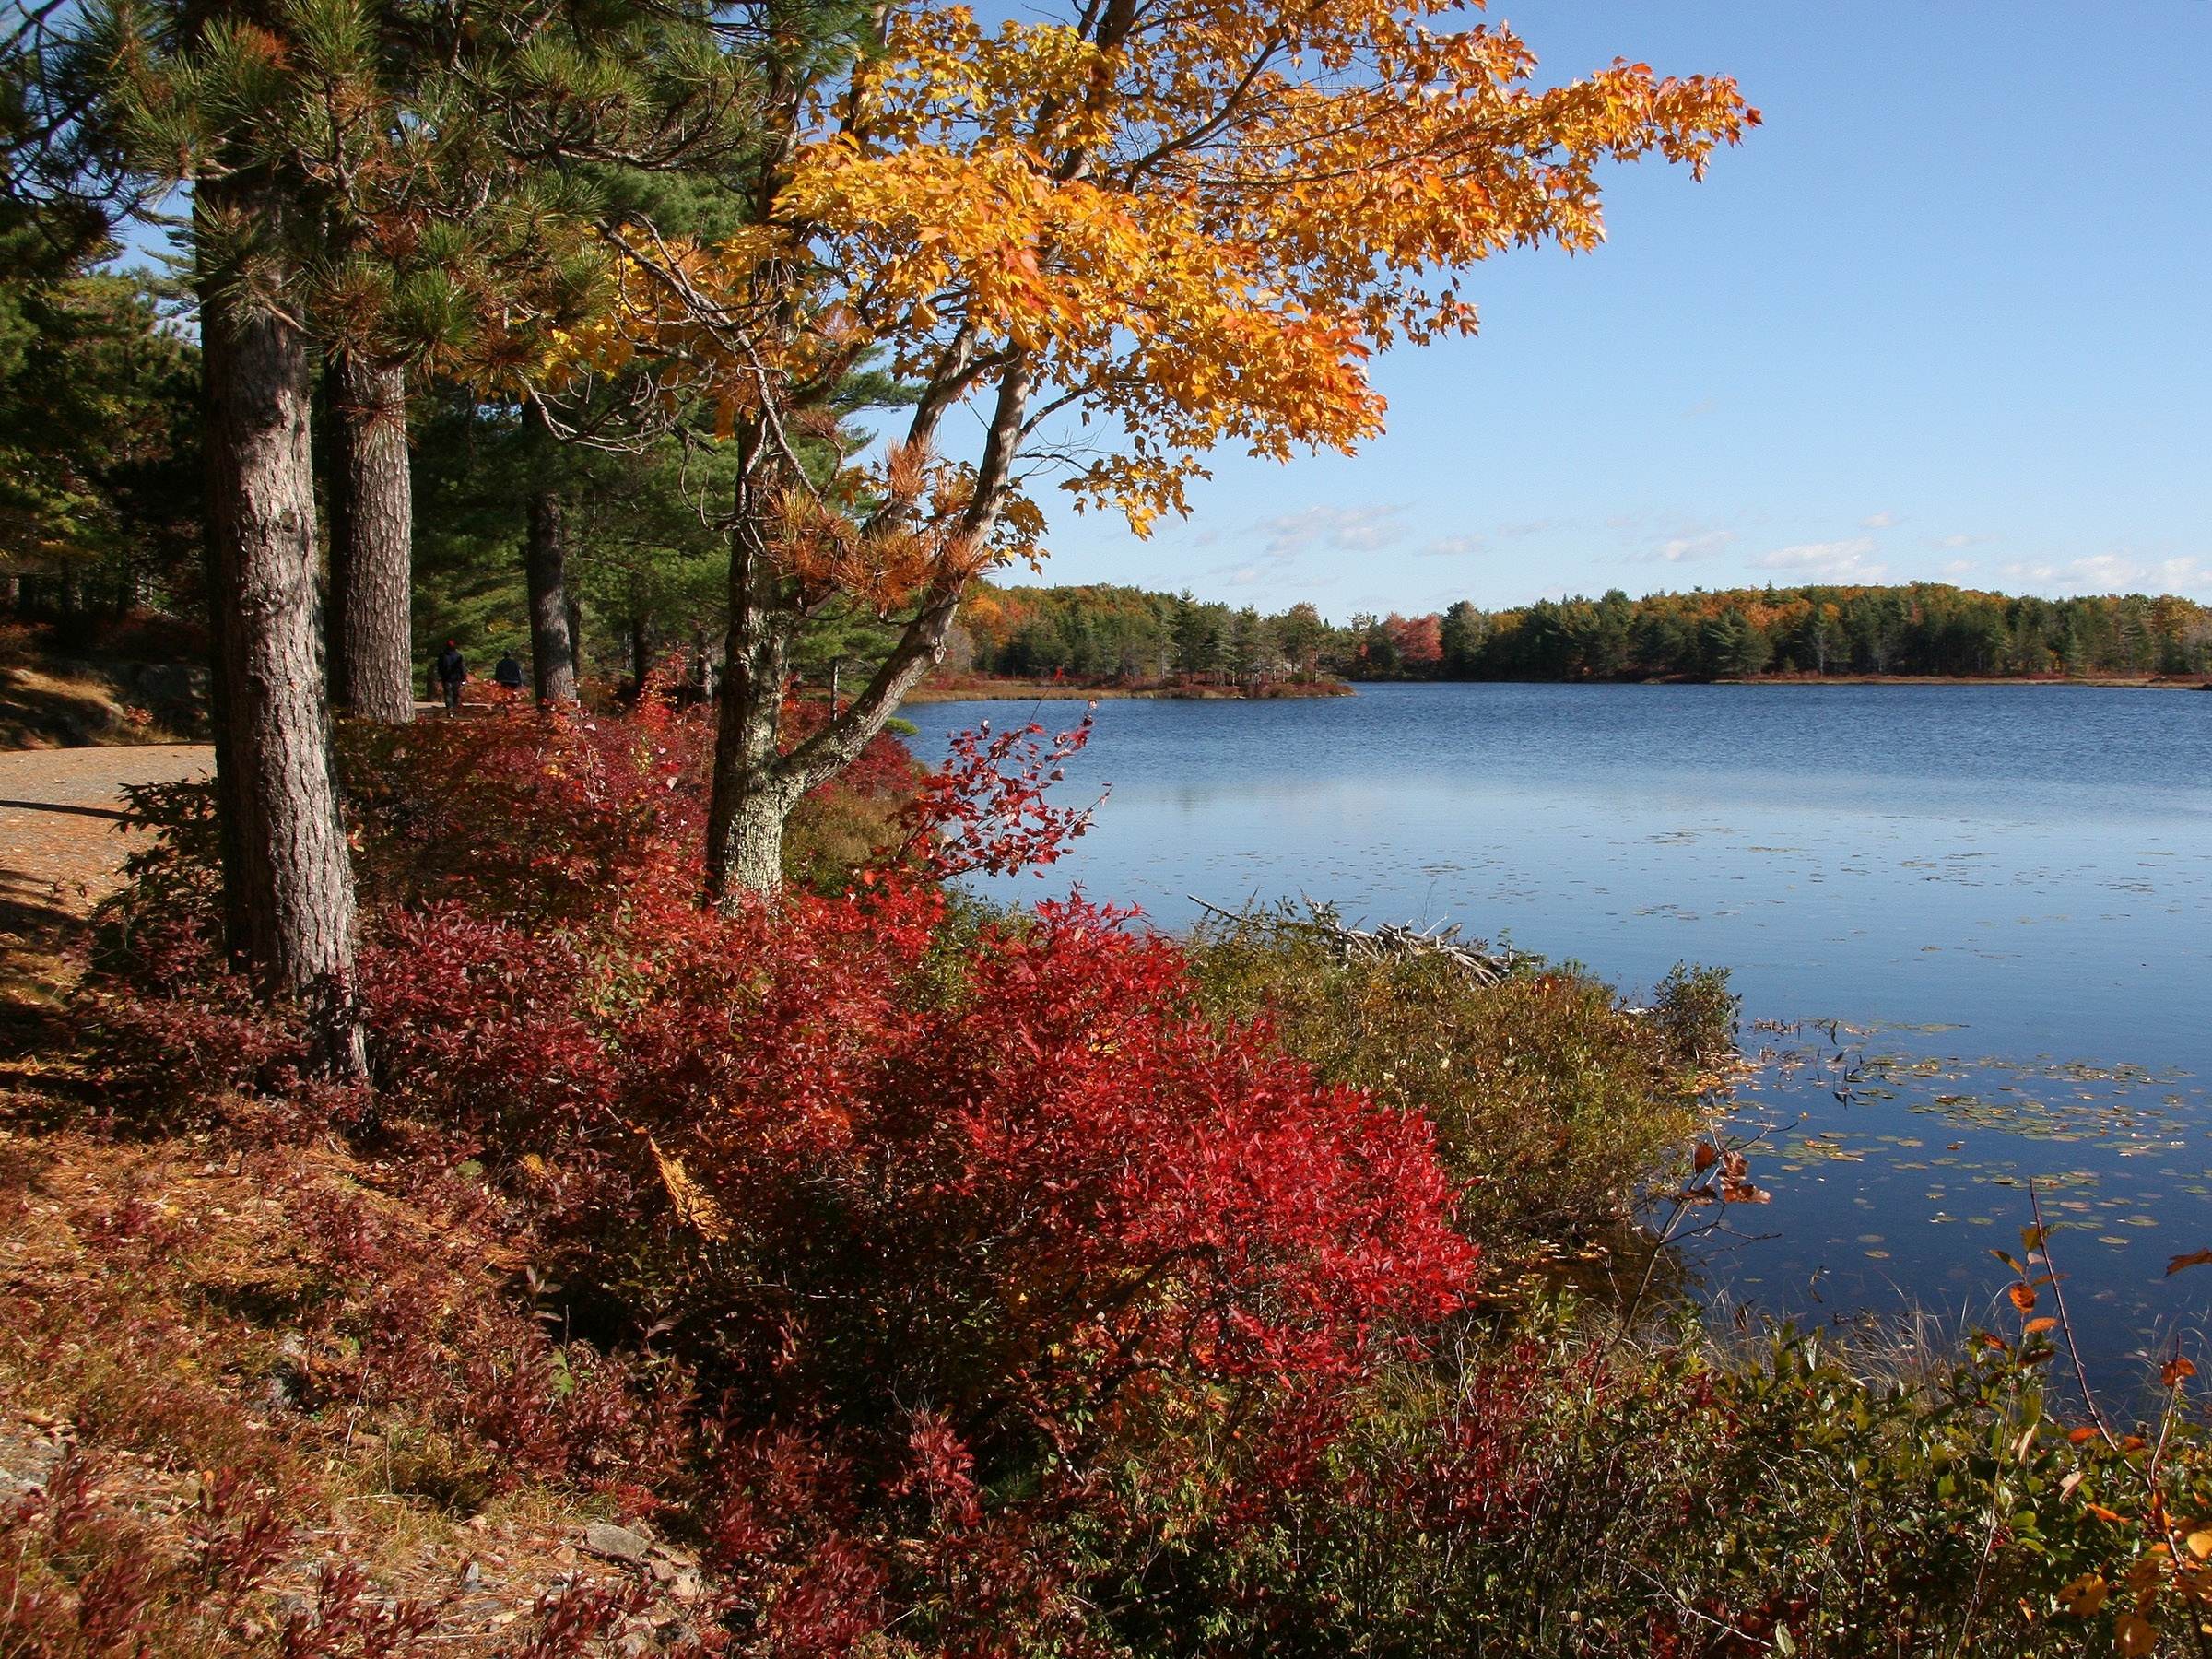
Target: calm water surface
[{"x": 1997, "y": 899}]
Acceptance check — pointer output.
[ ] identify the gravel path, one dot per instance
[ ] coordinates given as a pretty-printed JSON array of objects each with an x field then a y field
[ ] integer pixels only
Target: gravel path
[{"x": 60, "y": 811}]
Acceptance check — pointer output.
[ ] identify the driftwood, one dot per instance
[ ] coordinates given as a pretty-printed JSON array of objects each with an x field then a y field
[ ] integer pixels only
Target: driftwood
[{"x": 1386, "y": 942}]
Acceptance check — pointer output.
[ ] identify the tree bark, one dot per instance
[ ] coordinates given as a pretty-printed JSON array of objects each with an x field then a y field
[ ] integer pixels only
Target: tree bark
[
  {"x": 233, "y": 812},
  {"x": 371, "y": 649},
  {"x": 290, "y": 849},
  {"x": 751, "y": 796},
  {"x": 756, "y": 785},
  {"x": 552, "y": 644}
]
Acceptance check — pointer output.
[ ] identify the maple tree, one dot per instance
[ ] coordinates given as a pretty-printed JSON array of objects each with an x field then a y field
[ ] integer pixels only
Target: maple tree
[{"x": 1121, "y": 238}]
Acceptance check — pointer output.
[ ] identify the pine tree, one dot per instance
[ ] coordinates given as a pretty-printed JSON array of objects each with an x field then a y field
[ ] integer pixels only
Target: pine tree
[{"x": 398, "y": 183}]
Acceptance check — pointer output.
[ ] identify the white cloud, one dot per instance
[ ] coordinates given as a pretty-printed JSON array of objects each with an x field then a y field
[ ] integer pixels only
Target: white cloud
[
  {"x": 1690, "y": 549},
  {"x": 1451, "y": 545},
  {"x": 1880, "y": 521},
  {"x": 1960, "y": 567},
  {"x": 1351, "y": 529},
  {"x": 1828, "y": 561},
  {"x": 1245, "y": 577},
  {"x": 2122, "y": 571}
]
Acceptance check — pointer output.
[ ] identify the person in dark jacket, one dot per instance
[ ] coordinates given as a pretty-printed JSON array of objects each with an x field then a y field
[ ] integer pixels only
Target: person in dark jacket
[
  {"x": 507, "y": 672},
  {"x": 451, "y": 671}
]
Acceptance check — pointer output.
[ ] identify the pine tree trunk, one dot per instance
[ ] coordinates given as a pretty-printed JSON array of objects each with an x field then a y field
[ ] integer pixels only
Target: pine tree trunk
[
  {"x": 291, "y": 853},
  {"x": 552, "y": 645},
  {"x": 372, "y": 552},
  {"x": 233, "y": 812}
]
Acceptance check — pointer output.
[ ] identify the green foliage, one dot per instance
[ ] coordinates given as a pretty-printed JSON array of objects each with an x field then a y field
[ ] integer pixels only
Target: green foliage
[
  {"x": 1541, "y": 1487},
  {"x": 1118, "y": 633},
  {"x": 426, "y": 186},
  {"x": 1926, "y": 628},
  {"x": 1555, "y": 1106},
  {"x": 100, "y": 463},
  {"x": 645, "y": 561}
]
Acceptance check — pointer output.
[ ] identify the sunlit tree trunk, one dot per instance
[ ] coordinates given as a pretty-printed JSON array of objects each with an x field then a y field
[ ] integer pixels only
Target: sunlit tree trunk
[
  {"x": 752, "y": 798},
  {"x": 287, "y": 853},
  {"x": 372, "y": 548},
  {"x": 552, "y": 641}
]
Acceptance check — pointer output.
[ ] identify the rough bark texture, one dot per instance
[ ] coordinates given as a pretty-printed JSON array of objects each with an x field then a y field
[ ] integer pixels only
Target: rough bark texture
[
  {"x": 290, "y": 847},
  {"x": 371, "y": 648},
  {"x": 552, "y": 644},
  {"x": 752, "y": 796},
  {"x": 233, "y": 811}
]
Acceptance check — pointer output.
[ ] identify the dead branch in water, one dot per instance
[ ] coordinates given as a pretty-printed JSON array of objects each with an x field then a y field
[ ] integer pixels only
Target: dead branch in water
[{"x": 1386, "y": 942}]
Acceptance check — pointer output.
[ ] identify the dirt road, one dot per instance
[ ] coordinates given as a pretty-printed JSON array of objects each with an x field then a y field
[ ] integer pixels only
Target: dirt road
[{"x": 61, "y": 814}]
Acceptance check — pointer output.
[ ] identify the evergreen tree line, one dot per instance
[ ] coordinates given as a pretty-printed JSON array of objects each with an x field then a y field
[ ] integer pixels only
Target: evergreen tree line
[
  {"x": 103, "y": 510},
  {"x": 1128, "y": 634}
]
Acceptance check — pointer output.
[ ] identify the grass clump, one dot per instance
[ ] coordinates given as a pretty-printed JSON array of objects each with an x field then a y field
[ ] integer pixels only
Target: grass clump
[{"x": 1556, "y": 1105}]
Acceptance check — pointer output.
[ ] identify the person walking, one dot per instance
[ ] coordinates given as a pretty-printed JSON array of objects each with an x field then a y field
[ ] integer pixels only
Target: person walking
[
  {"x": 452, "y": 669},
  {"x": 507, "y": 673}
]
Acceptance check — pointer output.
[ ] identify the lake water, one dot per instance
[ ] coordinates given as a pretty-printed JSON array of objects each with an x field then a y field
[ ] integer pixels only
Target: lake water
[{"x": 1980, "y": 918}]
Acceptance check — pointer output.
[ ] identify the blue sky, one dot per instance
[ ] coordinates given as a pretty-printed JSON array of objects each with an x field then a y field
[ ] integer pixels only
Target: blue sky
[{"x": 1943, "y": 317}]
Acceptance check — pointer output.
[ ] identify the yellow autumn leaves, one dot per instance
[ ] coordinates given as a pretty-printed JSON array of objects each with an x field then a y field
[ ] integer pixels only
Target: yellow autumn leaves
[
  {"x": 1193, "y": 230},
  {"x": 2133, "y": 1634}
]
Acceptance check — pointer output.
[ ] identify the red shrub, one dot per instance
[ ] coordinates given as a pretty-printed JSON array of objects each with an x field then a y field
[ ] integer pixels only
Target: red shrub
[
  {"x": 940, "y": 1213},
  {"x": 986, "y": 810},
  {"x": 1006, "y": 1176}
]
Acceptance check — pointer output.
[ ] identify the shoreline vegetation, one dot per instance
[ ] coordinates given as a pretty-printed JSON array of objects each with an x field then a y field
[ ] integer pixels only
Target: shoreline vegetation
[
  {"x": 1003, "y": 688},
  {"x": 1924, "y": 633},
  {"x": 985, "y": 688}
]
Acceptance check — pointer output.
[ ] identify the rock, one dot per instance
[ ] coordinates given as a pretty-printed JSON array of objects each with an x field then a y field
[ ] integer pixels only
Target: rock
[{"x": 613, "y": 1543}]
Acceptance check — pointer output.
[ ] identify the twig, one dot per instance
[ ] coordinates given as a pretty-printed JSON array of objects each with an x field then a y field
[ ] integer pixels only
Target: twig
[{"x": 2058, "y": 1300}]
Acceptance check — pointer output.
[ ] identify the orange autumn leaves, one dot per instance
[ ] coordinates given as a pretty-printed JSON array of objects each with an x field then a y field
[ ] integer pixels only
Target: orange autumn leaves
[{"x": 1184, "y": 229}]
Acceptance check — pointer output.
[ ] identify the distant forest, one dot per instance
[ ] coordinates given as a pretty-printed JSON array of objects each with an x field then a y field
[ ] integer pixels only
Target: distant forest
[{"x": 1128, "y": 634}]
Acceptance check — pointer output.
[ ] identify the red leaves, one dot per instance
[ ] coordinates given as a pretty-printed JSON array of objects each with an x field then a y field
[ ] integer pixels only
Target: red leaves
[
  {"x": 1019, "y": 1169},
  {"x": 986, "y": 810},
  {"x": 1734, "y": 1185}
]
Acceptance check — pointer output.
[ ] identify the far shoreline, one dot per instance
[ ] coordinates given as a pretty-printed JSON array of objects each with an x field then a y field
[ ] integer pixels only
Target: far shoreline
[
  {"x": 1014, "y": 690},
  {"x": 999, "y": 691}
]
